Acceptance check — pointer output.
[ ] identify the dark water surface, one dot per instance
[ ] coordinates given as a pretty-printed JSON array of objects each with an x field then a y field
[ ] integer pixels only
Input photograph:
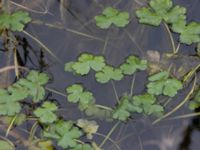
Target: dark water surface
[{"x": 66, "y": 42}]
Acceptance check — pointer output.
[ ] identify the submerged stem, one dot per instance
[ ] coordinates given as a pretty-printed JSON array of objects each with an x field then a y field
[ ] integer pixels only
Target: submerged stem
[
  {"x": 109, "y": 134},
  {"x": 171, "y": 39},
  {"x": 115, "y": 91}
]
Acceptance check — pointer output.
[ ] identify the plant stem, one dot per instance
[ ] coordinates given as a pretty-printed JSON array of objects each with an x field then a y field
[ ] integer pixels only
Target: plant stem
[
  {"x": 111, "y": 140},
  {"x": 185, "y": 116},
  {"x": 10, "y": 125},
  {"x": 171, "y": 38},
  {"x": 55, "y": 91},
  {"x": 109, "y": 134},
  {"x": 115, "y": 91},
  {"x": 41, "y": 44},
  {"x": 132, "y": 85},
  {"x": 179, "y": 105},
  {"x": 104, "y": 107}
]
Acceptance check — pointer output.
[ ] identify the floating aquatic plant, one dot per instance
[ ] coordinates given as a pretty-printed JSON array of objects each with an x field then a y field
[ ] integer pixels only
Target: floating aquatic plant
[{"x": 112, "y": 16}]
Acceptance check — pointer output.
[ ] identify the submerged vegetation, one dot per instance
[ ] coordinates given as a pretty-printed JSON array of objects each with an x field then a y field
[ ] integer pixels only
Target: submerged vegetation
[{"x": 27, "y": 99}]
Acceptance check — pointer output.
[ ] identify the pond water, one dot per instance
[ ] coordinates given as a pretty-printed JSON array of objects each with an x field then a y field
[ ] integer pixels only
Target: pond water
[{"x": 68, "y": 30}]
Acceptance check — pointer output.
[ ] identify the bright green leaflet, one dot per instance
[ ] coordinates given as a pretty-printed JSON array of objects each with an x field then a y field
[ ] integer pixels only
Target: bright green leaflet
[
  {"x": 161, "y": 83},
  {"x": 9, "y": 100},
  {"x": 112, "y": 16},
  {"x": 45, "y": 113},
  {"x": 147, "y": 103},
  {"x": 108, "y": 73},
  {"x": 6, "y": 146},
  {"x": 133, "y": 64},
  {"x": 191, "y": 33},
  {"x": 76, "y": 94},
  {"x": 86, "y": 62},
  {"x": 195, "y": 103},
  {"x": 160, "y": 10},
  {"x": 34, "y": 84},
  {"x": 15, "y": 21},
  {"x": 64, "y": 132}
]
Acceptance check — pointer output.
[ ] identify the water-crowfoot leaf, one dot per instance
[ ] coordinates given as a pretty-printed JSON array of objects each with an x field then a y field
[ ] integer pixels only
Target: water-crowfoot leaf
[
  {"x": 64, "y": 132},
  {"x": 161, "y": 83},
  {"x": 133, "y": 64},
  {"x": 15, "y": 21},
  {"x": 191, "y": 33},
  {"x": 34, "y": 83},
  {"x": 108, "y": 73},
  {"x": 122, "y": 111},
  {"x": 160, "y": 10},
  {"x": 195, "y": 103},
  {"x": 6, "y": 146},
  {"x": 76, "y": 94},
  {"x": 86, "y": 62},
  {"x": 147, "y": 103},
  {"x": 45, "y": 113},
  {"x": 112, "y": 16},
  {"x": 89, "y": 127}
]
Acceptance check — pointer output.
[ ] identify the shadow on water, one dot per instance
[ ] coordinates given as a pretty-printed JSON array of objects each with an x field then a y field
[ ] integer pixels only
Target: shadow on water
[{"x": 68, "y": 30}]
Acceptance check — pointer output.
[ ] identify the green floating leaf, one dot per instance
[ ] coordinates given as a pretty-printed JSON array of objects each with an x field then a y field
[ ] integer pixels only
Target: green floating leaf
[
  {"x": 32, "y": 86},
  {"x": 15, "y": 21},
  {"x": 6, "y": 146},
  {"x": 160, "y": 10},
  {"x": 76, "y": 94},
  {"x": 89, "y": 127},
  {"x": 34, "y": 83},
  {"x": 108, "y": 73},
  {"x": 112, "y": 16},
  {"x": 161, "y": 83},
  {"x": 133, "y": 64},
  {"x": 191, "y": 34},
  {"x": 64, "y": 132},
  {"x": 144, "y": 104},
  {"x": 85, "y": 63},
  {"x": 147, "y": 103},
  {"x": 45, "y": 113},
  {"x": 195, "y": 103}
]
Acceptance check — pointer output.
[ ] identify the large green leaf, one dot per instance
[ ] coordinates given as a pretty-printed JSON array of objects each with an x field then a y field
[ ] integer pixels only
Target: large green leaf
[
  {"x": 64, "y": 132},
  {"x": 112, "y": 16},
  {"x": 108, "y": 73},
  {"x": 45, "y": 113},
  {"x": 76, "y": 94},
  {"x": 195, "y": 103},
  {"x": 191, "y": 34},
  {"x": 161, "y": 83},
  {"x": 15, "y": 21},
  {"x": 86, "y": 62},
  {"x": 133, "y": 64}
]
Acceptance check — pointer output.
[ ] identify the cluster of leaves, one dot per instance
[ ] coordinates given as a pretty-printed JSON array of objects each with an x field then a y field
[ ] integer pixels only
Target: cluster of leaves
[
  {"x": 159, "y": 10},
  {"x": 162, "y": 83},
  {"x": 32, "y": 86},
  {"x": 15, "y": 21},
  {"x": 66, "y": 134},
  {"x": 104, "y": 72},
  {"x": 145, "y": 104},
  {"x": 195, "y": 103},
  {"x": 112, "y": 16}
]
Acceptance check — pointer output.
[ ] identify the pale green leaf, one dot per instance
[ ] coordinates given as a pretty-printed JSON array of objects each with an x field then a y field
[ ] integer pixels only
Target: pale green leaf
[{"x": 6, "y": 146}]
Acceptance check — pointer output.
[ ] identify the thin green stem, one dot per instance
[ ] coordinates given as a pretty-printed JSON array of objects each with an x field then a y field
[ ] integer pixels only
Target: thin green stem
[
  {"x": 115, "y": 91},
  {"x": 185, "y": 116},
  {"x": 132, "y": 85},
  {"x": 171, "y": 38},
  {"x": 10, "y": 125},
  {"x": 105, "y": 45},
  {"x": 111, "y": 140},
  {"x": 104, "y": 107},
  {"x": 56, "y": 92},
  {"x": 109, "y": 134}
]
